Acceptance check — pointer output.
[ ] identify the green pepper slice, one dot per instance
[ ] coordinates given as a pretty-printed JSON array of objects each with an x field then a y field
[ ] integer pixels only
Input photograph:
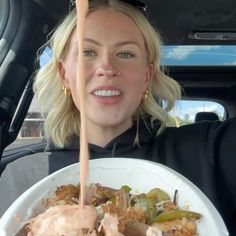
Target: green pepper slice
[{"x": 176, "y": 214}]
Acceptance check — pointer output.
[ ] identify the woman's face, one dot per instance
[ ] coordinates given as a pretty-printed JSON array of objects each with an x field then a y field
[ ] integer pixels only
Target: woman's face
[{"x": 116, "y": 69}]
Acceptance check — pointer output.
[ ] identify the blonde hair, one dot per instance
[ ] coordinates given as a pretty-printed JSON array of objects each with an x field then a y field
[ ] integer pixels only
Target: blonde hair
[{"x": 63, "y": 118}]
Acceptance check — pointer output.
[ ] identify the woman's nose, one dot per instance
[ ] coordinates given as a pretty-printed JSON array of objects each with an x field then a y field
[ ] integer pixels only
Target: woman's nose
[{"x": 108, "y": 68}]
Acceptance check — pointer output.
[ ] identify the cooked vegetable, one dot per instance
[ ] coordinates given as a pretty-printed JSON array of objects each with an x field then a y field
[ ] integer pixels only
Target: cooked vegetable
[
  {"x": 157, "y": 195},
  {"x": 126, "y": 188},
  {"x": 176, "y": 214}
]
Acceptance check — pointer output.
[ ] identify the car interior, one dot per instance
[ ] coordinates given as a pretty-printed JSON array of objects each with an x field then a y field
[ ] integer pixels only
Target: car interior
[{"x": 25, "y": 25}]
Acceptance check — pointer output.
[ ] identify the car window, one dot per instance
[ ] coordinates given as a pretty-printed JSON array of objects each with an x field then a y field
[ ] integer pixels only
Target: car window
[
  {"x": 186, "y": 111},
  {"x": 46, "y": 55},
  {"x": 212, "y": 55},
  {"x": 33, "y": 124}
]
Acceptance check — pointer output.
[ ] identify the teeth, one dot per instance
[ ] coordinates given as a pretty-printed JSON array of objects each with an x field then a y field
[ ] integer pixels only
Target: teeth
[{"x": 107, "y": 93}]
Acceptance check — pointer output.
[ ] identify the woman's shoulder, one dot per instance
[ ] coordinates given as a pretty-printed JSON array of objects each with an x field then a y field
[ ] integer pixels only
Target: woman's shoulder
[
  {"x": 202, "y": 135},
  {"x": 208, "y": 127}
]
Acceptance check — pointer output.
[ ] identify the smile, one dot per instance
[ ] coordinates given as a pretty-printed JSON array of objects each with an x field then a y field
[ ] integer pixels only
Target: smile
[{"x": 107, "y": 93}]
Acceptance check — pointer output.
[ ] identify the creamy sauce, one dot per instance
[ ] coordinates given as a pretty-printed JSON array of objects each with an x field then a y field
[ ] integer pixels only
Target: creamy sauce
[
  {"x": 82, "y": 9},
  {"x": 64, "y": 220}
]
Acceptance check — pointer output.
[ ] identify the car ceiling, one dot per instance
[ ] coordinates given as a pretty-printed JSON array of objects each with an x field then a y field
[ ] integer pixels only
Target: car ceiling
[{"x": 180, "y": 22}]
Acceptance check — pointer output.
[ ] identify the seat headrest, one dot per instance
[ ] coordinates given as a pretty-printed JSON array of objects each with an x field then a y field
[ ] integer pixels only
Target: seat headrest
[{"x": 206, "y": 116}]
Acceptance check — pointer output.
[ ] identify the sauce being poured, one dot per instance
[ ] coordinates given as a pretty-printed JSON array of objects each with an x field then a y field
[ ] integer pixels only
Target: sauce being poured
[{"x": 82, "y": 9}]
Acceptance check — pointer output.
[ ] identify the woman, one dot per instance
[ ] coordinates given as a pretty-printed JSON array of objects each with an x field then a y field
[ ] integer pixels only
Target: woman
[
  {"x": 124, "y": 93},
  {"x": 123, "y": 76}
]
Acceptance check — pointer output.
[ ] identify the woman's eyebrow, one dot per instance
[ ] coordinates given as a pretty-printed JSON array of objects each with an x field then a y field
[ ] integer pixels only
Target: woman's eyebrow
[
  {"x": 119, "y": 44},
  {"x": 89, "y": 40},
  {"x": 128, "y": 42}
]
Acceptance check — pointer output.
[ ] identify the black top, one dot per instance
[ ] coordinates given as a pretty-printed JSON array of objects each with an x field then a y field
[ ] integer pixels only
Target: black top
[{"x": 203, "y": 152}]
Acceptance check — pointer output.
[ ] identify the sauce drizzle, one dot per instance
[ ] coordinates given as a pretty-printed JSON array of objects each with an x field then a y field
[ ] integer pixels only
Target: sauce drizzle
[{"x": 82, "y": 9}]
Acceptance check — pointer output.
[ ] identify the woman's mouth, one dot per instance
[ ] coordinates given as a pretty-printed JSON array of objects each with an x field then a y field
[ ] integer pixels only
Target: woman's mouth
[
  {"x": 107, "y": 96},
  {"x": 107, "y": 93}
]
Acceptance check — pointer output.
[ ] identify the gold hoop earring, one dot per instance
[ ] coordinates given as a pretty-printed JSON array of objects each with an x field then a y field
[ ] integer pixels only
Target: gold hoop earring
[
  {"x": 145, "y": 94},
  {"x": 66, "y": 91}
]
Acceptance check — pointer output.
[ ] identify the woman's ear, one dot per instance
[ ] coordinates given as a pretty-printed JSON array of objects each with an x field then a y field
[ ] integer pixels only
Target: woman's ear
[
  {"x": 61, "y": 70},
  {"x": 149, "y": 74}
]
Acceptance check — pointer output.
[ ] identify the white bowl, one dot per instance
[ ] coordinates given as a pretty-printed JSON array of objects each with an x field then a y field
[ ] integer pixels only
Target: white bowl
[{"x": 140, "y": 175}]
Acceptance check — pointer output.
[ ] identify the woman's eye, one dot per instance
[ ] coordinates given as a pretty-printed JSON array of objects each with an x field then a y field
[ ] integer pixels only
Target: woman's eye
[
  {"x": 89, "y": 53},
  {"x": 126, "y": 54}
]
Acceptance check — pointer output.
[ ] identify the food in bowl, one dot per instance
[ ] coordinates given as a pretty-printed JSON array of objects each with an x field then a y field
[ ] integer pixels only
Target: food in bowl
[
  {"x": 112, "y": 211},
  {"x": 141, "y": 175}
]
